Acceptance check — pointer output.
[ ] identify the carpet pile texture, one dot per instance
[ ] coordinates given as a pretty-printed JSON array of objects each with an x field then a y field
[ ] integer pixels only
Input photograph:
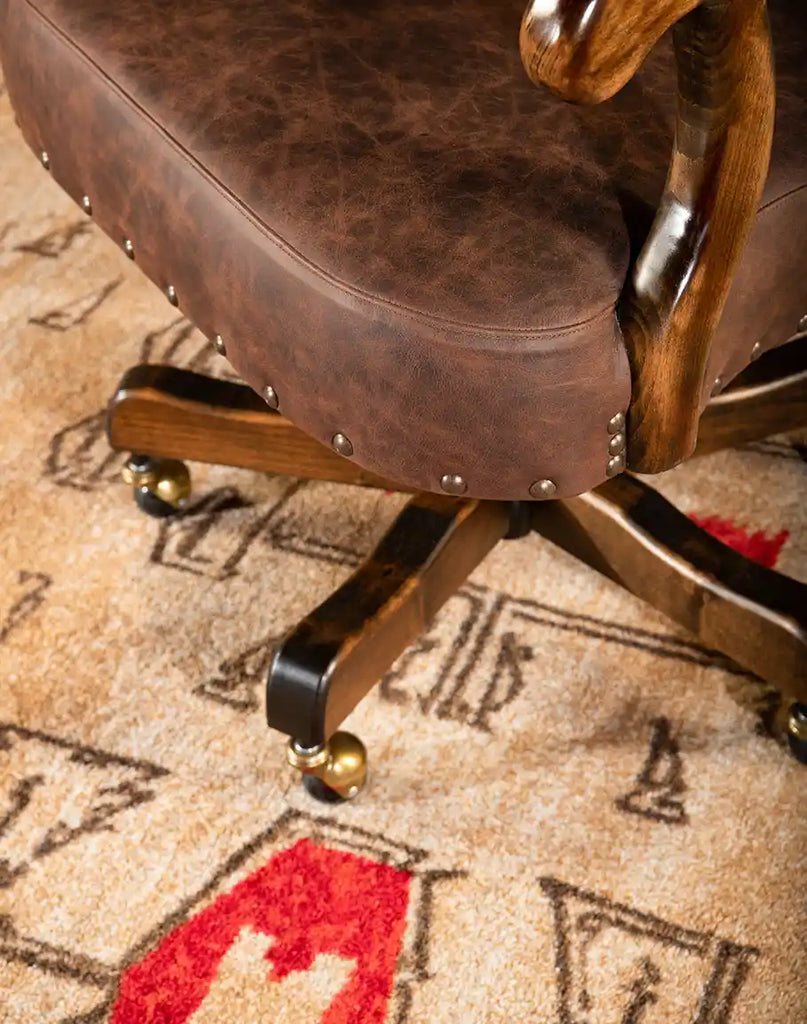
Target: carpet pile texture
[{"x": 570, "y": 819}]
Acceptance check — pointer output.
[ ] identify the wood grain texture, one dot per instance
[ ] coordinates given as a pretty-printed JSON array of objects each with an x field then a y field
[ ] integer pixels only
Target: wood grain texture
[
  {"x": 586, "y": 50},
  {"x": 673, "y": 302},
  {"x": 630, "y": 533},
  {"x": 177, "y": 414},
  {"x": 334, "y": 657}
]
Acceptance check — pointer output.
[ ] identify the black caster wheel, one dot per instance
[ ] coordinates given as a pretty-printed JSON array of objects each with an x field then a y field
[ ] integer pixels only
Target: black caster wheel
[
  {"x": 321, "y": 792},
  {"x": 797, "y": 732},
  {"x": 147, "y": 501},
  {"x": 161, "y": 486}
]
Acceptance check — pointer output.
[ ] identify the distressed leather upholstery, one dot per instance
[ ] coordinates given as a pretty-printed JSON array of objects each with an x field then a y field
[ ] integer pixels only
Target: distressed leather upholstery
[{"x": 385, "y": 221}]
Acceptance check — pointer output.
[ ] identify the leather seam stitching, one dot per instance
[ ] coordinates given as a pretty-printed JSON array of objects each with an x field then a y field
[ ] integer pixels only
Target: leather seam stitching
[
  {"x": 367, "y": 298},
  {"x": 780, "y": 199}
]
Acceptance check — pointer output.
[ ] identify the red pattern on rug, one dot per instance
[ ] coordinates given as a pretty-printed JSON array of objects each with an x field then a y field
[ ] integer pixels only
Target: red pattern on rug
[
  {"x": 312, "y": 900},
  {"x": 759, "y": 546}
]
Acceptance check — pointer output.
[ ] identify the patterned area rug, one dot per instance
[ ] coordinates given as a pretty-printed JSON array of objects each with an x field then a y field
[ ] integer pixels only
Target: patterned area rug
[{"x": 570, "y": 819}]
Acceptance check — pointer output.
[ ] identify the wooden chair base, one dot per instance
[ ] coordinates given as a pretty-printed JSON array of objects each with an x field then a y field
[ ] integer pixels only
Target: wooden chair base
[
  {"x": 624, "y": 529},
  {"x": 177, "y": 414},
  {"x": 630, "y": 533}
]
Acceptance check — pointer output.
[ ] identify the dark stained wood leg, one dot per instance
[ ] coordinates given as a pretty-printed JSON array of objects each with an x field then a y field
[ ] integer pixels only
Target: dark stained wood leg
[
  {"x": 171, "y": 413},
  {"x": 330, "y": 661},
  {"x": 632, "y": 534},
  {"x": 770, "y": 397}
]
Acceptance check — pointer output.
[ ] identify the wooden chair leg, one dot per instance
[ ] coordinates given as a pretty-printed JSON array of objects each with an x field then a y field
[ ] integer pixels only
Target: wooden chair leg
[
  {"x": 331, "y": 660},
  {"x": 632, "y": 534},
  {"x": 169, "y": 413}
]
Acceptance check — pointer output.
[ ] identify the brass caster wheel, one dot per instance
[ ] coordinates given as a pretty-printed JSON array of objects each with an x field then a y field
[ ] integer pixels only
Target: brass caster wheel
[
  {"x": 161, "y": 486},
  {"x": 332, "y": 773},
  {"x": 797, "y": 732}
]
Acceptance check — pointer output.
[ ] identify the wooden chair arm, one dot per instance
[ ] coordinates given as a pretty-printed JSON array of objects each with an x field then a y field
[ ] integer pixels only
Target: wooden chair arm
[{"x": 586, "y": 50}]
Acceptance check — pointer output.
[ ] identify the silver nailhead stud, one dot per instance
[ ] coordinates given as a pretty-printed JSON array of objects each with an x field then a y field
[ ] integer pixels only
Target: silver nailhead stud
[
  {"x": 803, "y": 325},
  {"x": 171, "y": 295},
  {"x": 616, "y": 444},
  {"x": 543, "y": 489},
  {"x": 756, "y": 351},
  {"x": 128, "y": 248},
  {"x": 453, "y": 483},
  {"x": 86, "y": 205},
  {"x": 218, "y": 344},
  {"x": 615, "y": 465},
  {"x": 341, "y": 444},
  {"x": 616, "y": 423},
  {"x": 45, "y": 160},
  {"x": 717, "y": 387},
  {"x": 271, "y": 399}
]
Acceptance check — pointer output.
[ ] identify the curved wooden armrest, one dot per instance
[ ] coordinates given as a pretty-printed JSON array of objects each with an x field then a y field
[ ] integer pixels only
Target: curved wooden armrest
[{"x": 588, "y": 49}]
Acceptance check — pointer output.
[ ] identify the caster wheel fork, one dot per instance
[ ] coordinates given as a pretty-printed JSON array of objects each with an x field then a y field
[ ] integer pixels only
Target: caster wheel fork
[
  {"x": 161, "y": 486},
  {"x": 332, "y": 773}
]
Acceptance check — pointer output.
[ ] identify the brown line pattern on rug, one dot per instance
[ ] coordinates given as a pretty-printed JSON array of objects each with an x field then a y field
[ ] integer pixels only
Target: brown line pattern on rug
[
  {"x": 729, "y": 961},
  {"x": 78, "y": 311},
  {"x": 36, "y": 585},
  {"x": 59, "y": 240},
  {"x": 660, "y": 783}
]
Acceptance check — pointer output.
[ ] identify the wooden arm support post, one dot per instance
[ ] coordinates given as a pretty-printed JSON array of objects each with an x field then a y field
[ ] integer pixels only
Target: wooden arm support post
[{"x": 586, "y": 50}]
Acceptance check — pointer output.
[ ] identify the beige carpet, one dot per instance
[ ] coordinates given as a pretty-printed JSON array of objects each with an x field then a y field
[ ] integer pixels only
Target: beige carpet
[{"x": 569, "y": 818}]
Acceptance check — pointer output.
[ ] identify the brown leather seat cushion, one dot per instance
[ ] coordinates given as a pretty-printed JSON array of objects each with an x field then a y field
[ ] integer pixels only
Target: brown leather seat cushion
[{"x": 382, "y": 217}]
